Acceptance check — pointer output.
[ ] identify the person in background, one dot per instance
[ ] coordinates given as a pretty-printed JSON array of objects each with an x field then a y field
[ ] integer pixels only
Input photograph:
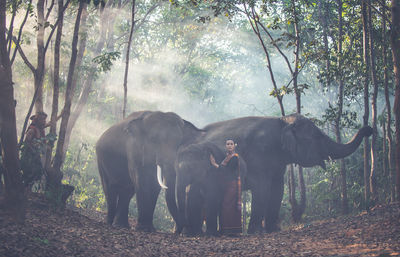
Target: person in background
[
  {"x": 231, "y": 213},
  {"x": 33, "y": 150}
]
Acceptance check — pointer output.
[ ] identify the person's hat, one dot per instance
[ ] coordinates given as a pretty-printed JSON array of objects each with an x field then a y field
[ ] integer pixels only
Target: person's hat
[{"x": 38, "y": 114}]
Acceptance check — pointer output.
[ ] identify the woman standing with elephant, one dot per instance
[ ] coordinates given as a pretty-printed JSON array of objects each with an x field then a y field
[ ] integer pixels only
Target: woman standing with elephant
[{"x": 231, "y": 213}]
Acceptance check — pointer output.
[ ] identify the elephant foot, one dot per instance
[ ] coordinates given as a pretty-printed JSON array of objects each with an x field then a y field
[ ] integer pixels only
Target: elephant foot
[
  {"x": 272, "y": 228},
  {"x": 191, "y": 233},
  {"x": 255, "y": 230},
  {"x": 145, "y": 228},
  {"x": 212, "y": 234},
  {"x": 117, "y": 224}
]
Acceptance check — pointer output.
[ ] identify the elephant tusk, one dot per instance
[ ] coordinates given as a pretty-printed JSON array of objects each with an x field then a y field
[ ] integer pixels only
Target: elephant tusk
[{"x": 159, "y": 178}]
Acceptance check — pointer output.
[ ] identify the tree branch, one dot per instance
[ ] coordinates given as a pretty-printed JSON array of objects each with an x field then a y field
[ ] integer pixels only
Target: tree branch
[
  {"x": 20, "y": 30},
  {"x": 54, "y": 27}
]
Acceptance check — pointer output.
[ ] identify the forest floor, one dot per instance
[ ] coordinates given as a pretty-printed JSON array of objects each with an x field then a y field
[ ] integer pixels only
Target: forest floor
[{"x": 70, "y": 233}]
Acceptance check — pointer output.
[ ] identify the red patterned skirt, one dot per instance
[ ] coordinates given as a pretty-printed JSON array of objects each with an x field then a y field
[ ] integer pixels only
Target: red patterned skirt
[{"x": 231, "y": 211}]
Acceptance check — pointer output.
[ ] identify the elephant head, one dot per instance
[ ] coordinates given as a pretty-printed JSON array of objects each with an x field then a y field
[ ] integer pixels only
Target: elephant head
[
  {"x": 308, "y": 146},
  {"x": 157, "y": 132}
]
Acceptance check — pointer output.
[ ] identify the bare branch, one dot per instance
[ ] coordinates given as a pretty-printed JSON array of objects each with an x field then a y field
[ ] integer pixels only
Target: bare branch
[
  {"x": 276, "y": 46},
  {"x": 54, "y": 27}
]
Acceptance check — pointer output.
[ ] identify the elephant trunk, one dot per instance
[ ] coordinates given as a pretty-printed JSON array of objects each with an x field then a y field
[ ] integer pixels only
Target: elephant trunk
[
  {"x": 181, "y": 201},
  {"x": 337, "y": 151}
]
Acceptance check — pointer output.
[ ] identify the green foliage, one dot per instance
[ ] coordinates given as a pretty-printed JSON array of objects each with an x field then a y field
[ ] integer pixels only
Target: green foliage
[
  {"x": 105, "y": 60},
  {"x": 88, "y": 193}
]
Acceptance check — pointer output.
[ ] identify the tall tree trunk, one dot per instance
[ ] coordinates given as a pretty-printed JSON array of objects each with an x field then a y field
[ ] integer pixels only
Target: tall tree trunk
[
  {"x": 90, "y": 78},
  {"x": 56, "y": 85},
  {"x": 55, "y": 175},
  {"x": 389, "y": 138},
  {"x": 39, "y": 72},
  {"x": 374, "y": 156},
  {"x": 323, "y": 12},
  {"x": 366, "y": 102},
  {"x": 128, "y": 48},
  {"x": 395, "y": 42},
  {"x": 14, "y": 191},
  {"x": 343, "y": 179},
  {"x": 297, "y": 209},
  {"x": 81, "y": 51}
]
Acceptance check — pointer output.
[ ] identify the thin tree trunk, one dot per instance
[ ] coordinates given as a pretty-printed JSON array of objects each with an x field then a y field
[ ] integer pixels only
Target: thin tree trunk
[
  {"x": 343, "y": 179},
  {"x": 366, "y": 103},
  {"x": 81, "y": 50},
  {"x": 128, "y": 48},
  {"x": 252, "y": 17},
  {"x": 395, "y": 42},
  {"x": 323, "y": 12},
  {"x": 297, "y": 209},
  {"x": 372, "y": 176},
  {"x": 56, "y": 86},
  {"x": 391, "y": 164},
  {"x": 39, "y": 72},
  {"x": 14, "y": 192},
  {"x": 88, "y": 83},
  {"x": 55, "y": 174}
]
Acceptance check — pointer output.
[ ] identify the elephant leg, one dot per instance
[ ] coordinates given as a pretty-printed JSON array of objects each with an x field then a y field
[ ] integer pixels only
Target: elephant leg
[
  {"x": 195, "y": 210},
  {"x": 258, "y": 206},
  {"x": 274, "y": 203},
  {"x": 124, "y": 197},
  {"x": 110, "y": 193},
  {"x": 212, "y": 211},
  {"x": 146, "y": 197},
  {"x": 111, "y": 198}
]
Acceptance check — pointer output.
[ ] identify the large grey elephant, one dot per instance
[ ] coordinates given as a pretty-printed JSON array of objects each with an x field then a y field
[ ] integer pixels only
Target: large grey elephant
[
  {"x": 268, "y": 144},
  {"x": 204, "y": 197},
  {"x": 128, "y": 154}
]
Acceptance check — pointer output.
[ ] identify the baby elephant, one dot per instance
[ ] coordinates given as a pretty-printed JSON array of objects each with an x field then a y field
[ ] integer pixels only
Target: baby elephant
[
  {"x": 203, "y": 199},
  {"x": 205, "y": 195}
]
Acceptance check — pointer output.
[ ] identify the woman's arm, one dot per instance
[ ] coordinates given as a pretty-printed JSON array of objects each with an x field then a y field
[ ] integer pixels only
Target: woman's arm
[{"x": 213, "y": 162}]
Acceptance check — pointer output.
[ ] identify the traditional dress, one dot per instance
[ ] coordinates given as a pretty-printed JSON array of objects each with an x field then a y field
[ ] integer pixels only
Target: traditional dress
[{"x": 231, "y": 211}]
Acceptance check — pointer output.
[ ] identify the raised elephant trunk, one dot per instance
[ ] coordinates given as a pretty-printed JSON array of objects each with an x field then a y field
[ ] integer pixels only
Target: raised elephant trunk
[{"x": 338, "y": 151}]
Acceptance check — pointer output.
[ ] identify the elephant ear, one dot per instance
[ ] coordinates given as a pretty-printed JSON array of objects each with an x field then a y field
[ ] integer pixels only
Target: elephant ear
[
  {"x": 289, "y": 140},
  {"x": 189, "y": 131},
  {"x": 135, "y": 125}
]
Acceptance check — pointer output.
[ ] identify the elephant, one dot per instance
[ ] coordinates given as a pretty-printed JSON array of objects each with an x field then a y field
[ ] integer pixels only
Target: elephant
[
  {"x": 128, "y": 154},
  {"x": 267, "y": 145},
  {"x": 194, "y": 169}
]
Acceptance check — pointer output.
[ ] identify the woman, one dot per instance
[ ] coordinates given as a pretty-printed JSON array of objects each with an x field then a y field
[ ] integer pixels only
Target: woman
[{"x": 231, "y": 213}]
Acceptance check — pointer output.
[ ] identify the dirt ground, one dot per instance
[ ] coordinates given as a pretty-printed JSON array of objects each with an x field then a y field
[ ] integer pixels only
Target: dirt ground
[{"x": 69, "y": 233}]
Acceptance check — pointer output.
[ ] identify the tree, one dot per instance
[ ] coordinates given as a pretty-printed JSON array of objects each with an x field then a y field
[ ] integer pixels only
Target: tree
[
  {"x": 340, "y": 107},
  {"x": 372, "y": 60},
  {"x": 395, "y": 42},
  {"x": 54, "y": 174},
  {"x": 366, "y": 101},
  {"x": 14, "y": 192},
  {"x": 128, "y": 48}
]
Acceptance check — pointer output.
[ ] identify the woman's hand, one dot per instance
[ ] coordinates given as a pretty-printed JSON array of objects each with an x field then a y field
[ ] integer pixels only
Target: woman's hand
[{"x": 213, "y": 162}]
